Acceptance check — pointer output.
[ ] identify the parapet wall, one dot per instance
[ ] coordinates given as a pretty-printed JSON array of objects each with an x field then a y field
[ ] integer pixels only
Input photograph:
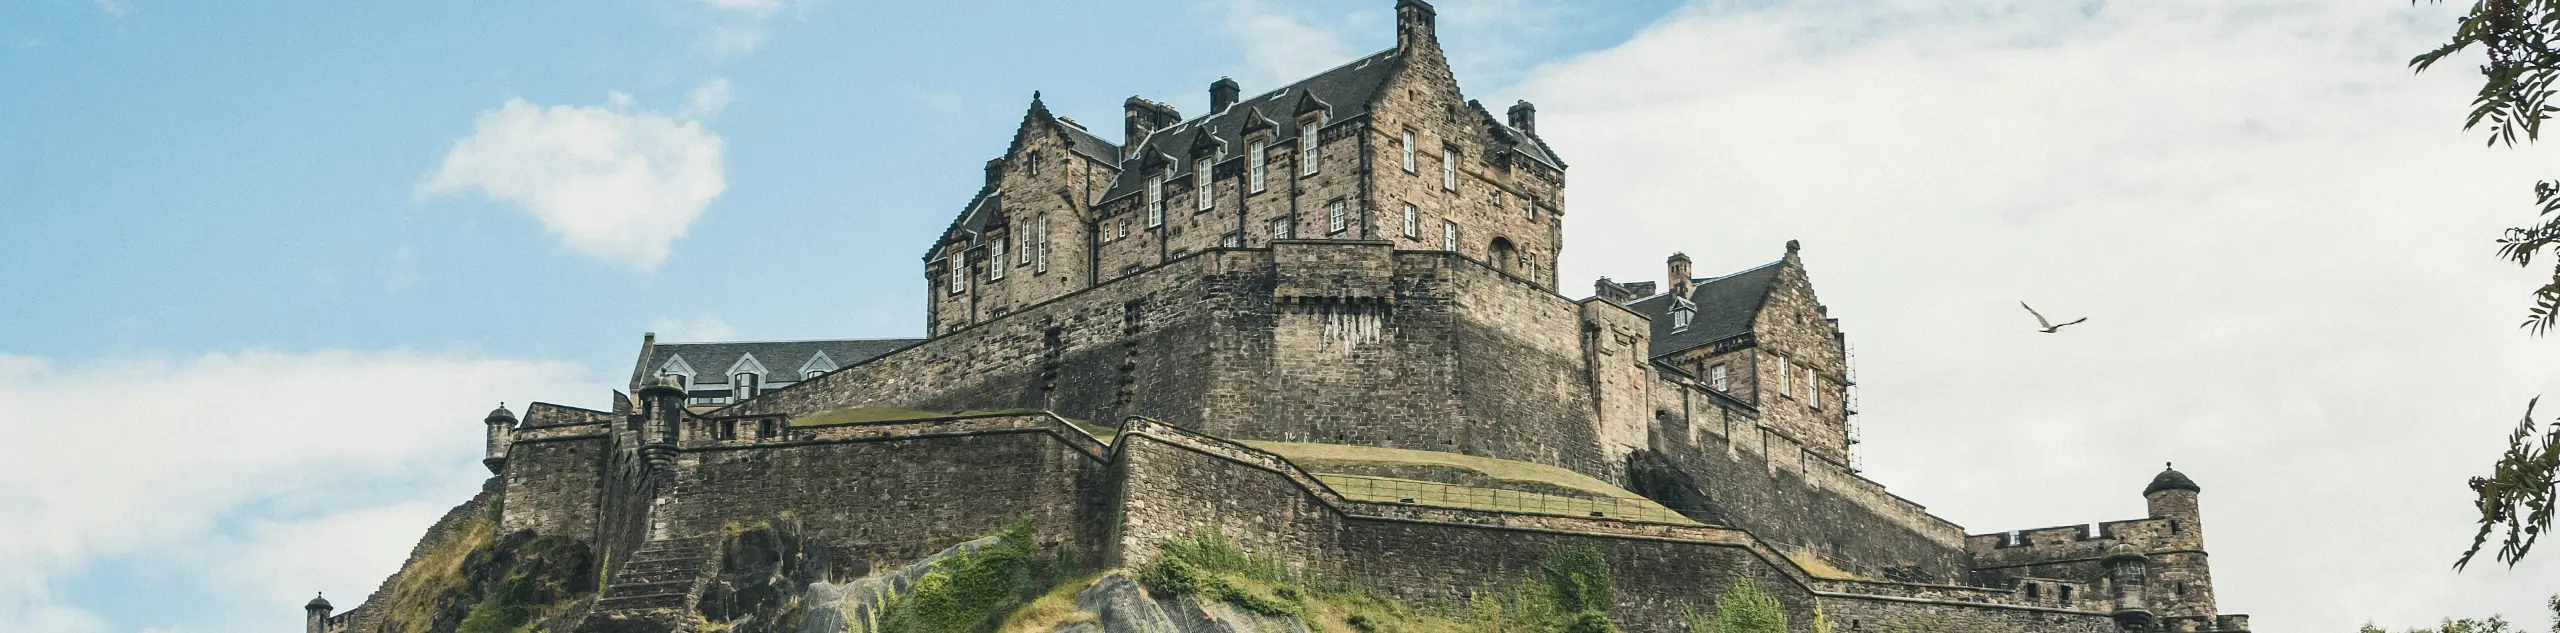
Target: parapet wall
[
  {"x": 1326, "y": 341},
  {"x": 1764, "y": 481},
  {"x": 555, "y": 474}
]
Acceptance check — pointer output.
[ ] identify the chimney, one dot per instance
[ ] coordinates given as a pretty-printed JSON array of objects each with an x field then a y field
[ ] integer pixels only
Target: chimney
[
  {"x": 1145, "y": 116},
  {"x": 1223, "y": 93},
  {"x": 1678, "y": 281},
  {"x": 1413, "y": 25},
  {"x": 1610, "y": 291},
  {"x": 995, "y": 170},
  {"x": 1524, "y": 117}
]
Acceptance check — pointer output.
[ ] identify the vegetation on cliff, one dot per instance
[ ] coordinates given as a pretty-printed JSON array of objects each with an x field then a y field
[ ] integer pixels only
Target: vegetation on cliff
[
  {"x": 475, "y": 581},
  {"x": 972, "y": 591}
]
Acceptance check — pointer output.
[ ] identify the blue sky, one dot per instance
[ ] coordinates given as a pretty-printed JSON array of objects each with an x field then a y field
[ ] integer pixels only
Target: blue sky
[{"x": 281, "y": 256}]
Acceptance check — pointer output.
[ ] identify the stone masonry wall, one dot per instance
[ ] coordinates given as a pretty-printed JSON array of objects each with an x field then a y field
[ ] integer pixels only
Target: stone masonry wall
[
  {"x": 1497, "y": 196},
  {"x": 1785, "y": 493},
  {"x": 1792, "y": 326}
]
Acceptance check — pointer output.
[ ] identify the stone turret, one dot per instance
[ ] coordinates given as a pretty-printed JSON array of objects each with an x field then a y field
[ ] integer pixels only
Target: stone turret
[
  {"x": 2182, "y": 582},
  {"x": 315, "y": 615},
  {"x": 2128, "y": 573},
  {"x": 662, "y": 411},
  {"x": 1678, "y": 282},
  {"x": 502, "y": 424}
]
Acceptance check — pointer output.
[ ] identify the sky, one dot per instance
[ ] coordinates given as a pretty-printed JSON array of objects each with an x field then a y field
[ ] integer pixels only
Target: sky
[{"x": 268, "y": 262}]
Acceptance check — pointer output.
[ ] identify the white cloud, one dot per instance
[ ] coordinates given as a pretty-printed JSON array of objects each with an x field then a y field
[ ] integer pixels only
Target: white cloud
[
  {"x": 700, "y": 328},
  {"x": 2281, "y": 238},
  {"x": 612, "y": 183},
  {"x": 114, "y": 8},
  {"x": 707, "y": 100},
  {"x": 159, "y": 459},
  {"x": 1279, "y": 44}
]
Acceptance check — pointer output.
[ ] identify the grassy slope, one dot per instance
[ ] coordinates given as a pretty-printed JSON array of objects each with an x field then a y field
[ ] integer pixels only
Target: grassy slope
[{"x": 1320, "y": 458}]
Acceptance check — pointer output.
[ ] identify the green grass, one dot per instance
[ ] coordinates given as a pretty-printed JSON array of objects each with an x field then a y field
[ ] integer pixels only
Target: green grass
[
  {"x": 1317, "y": 457},
  {"x": 1570, "y": 593},
  {"x": 1326, "y": 460}
]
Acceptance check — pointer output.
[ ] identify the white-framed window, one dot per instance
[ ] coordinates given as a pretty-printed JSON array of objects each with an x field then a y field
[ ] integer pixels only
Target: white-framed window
[
  {"x": 995, "y": 265},
  {"x": 1040, "y": 257},
  {"x": 1282, "y": 228},
  {"x": 1449, "y": 169},
  {"x": 1337, "y": 217},
  {"x": 812, "y": 374},
  {"x": 1231, "y": 240},
  {"x": 1449, "y": 236},
  {"x": 1719, "y": 378},
  {"x": 744, "y": 386},
  {"x": 1680, "y": 319},
  {"x": 1412, "y": 221},
  {"x": 1155, "y": 201},
  {"x": 1033, "y": 158},
  {"x": 1309, "y": 146},
  {"x": 1027, "y": 242},
  {"x": 1203, "y": 188},
  {"x": 1786, "y": 378},
  {"x": 1408, "y": 151},
  {"x": 1256, "y": 165},
  {"x": 1813, "y": 389},
  {"x": 1124, "y": 228},
  {"x": 959, "y": 264}
]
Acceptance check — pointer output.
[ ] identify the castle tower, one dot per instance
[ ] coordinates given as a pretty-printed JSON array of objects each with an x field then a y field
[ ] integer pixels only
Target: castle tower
[
  {"x": 315, "y": 615},
  {"x": 1677, "y": 282},
  {"x": 2127, "y": 574},
  {"x": 502, "y": 424},
  {"x": 2181, "y": 581}
]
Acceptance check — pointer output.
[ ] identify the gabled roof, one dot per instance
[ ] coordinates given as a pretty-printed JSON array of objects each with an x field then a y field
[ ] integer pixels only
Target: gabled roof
[
  {"x": 787, "y": 354},
  {"x": 1346, "y": 88},
  {"x": 1726, "y": 306},
  {"x": 986, "y": 209}
]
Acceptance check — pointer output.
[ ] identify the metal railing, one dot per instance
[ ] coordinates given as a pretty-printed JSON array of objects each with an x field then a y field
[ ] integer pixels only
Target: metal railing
[{"x": 1434, "y": 494}]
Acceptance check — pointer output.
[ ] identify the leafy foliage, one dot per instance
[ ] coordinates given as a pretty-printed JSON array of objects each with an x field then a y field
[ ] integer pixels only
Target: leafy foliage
[
  {"x": 1207, "y": 564},
  {"x": 969, "y": 592},
  {"x": 2517, "y": 37},
  {"x": 508, "y": 607},
  {"x": 1744, "y": 608},
  {"x": 2517, "y": 496},
  {"x": 2494, "y": 624}
]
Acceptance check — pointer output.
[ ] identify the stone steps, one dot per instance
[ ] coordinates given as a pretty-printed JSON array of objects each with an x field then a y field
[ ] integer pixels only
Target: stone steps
[{"x": 662, "y": 574}]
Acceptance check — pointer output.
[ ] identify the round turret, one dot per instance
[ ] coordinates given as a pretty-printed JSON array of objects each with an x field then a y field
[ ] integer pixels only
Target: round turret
[
  {"x": 317, "y": 603},
  {"x": 2121, "y": 551},
  {"x": 665, "y": 386},
  {"x": 2171, "y": 479},
  {"x": 501, "y": 415}
]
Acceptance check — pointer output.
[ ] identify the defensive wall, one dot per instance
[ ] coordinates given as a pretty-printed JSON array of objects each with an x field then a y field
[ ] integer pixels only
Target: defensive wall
[{"x": 1312, "y": 341}]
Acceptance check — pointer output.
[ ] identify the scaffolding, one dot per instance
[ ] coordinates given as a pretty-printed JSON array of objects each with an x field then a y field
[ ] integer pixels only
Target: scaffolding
[{"x": 1849, "y": 407}]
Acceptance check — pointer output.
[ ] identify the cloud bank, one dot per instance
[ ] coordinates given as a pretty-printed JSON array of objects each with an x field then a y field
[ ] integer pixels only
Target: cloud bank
[
  {"x": 612, "y": 183},
  {"x": 247, "y": 480},
  {"x": 2281, "y": 238}
]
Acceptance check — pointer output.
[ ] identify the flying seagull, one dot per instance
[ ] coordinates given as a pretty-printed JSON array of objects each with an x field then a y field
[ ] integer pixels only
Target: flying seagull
[{"x": 2048, "y": 326}]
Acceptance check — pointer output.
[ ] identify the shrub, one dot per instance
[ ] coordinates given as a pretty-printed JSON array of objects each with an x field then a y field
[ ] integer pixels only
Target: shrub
[
  {"x": 968, "y": 592},
  {"x": 1745, "y": 608}
]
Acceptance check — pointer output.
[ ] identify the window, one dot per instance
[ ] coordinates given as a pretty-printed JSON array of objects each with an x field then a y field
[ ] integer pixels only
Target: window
[
  {"x": 1040, "y": 258},
  {"x": 958, "y": 263},
  {"x": 743, "y": 386},
  {"x": 1308, "y": 145},
  {"x": 995, "y": 267},
  {"x": 1412, "y": 221},
  {"x": 1813, "y": 389},
  {"x": 1202, "y": 187},
  {"x": 2066, "y": 594},
  {"x": 765, "y": 428},
  {"x": 1254, "y": 160},
  {"x": 1231, "y": 240},
  {"x": 1025, "y": 257},
  {"x": 1338, "y": 219},
  {"x": 1449, "y": 169},
  {"x": 728, "y": 429},
  {"x": 1448, "y": 236},
  {"x": 812, "y": 374},
  {"x": 1408, "y": 151},
  {"x": 1155, "y": 201},
  {"x": 1034, "y": 159},
  {"x": 1124, "y": 228},
  {"x": 1281, "y": 229},
  {"x": 1719, "y": 378},
  {"x": 1786, "y": 379},
  {"x": 1680, "y": 318}
]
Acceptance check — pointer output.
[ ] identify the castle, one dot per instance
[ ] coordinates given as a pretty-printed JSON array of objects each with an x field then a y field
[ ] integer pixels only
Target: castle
[{"x": 1323, "y": 320}]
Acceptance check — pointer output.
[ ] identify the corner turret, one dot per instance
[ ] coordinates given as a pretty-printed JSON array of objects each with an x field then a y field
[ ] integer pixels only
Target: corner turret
[
  {"x": 315, "y": 615},
  {"x": 502, "y": 424},
  {"x": 2181, "y": 580},
  {"x": 662, "y": 411}
]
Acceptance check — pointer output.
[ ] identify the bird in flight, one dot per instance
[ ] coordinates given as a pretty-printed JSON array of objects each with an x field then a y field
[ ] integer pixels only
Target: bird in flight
[{"x": 2048, "y": 326}]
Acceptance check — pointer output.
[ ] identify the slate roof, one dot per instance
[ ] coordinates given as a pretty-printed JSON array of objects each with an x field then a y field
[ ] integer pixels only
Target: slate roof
[
  {"x": 1083, "y": 141},
  {"x": 1346, "y": 88},
  {"x": 782, "y": 359},
  {"x": 1726, "y": 305}
]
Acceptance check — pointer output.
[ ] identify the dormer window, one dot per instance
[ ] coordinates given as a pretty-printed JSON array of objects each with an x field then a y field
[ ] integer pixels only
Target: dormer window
[
  {"x": 1408, "y": 151},
  {"x": 1308, "y": 146},
  {"x": 1680, "y": 318},
  {"x": 1202, "y": 187},
  {"x": 1255, "y": 165},
  {"x": 1155, "y": 201},
  {"x": 744, "y": 386}
]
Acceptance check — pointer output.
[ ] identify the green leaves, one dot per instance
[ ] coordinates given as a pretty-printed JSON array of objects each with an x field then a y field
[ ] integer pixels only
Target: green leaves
[
  {"x": 2517, "y": 496},
  {"x": 2517, "y": 37}
]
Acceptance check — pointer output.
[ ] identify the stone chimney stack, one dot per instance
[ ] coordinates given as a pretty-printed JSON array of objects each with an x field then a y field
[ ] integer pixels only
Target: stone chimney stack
[
  {"x": 1678, "y": 280},
  {"x": 1145, "y": 116},
  {"x": 1524, "y": 117},
  {"x": 995, "y": 170},
  {"x": 1222, "y": 93},
  {"x": 1414, "y": 20}
]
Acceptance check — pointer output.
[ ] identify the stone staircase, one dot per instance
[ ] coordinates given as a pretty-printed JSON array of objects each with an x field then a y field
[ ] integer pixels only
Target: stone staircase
[{"x": 663, "y": 574}]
